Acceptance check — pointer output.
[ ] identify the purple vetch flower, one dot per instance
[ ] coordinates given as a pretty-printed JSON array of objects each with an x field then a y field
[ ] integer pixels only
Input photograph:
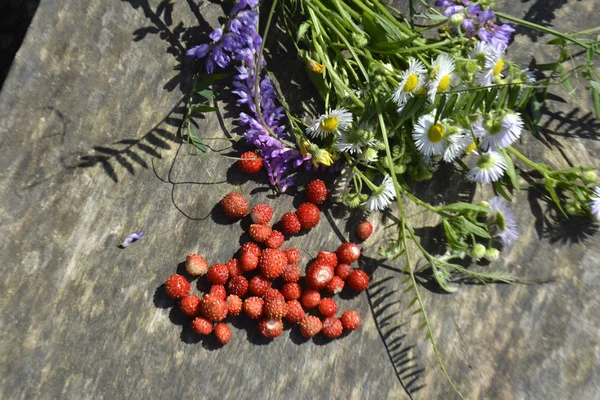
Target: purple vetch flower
[{"x": 132, "y": 238}]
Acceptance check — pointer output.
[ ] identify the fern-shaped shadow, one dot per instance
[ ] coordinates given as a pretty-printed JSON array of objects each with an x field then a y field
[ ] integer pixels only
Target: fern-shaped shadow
[{"x": 542, "y": 12}]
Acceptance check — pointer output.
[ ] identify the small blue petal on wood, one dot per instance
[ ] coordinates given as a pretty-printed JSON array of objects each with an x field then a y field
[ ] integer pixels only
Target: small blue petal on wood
[{"x": 132, "y": 238}]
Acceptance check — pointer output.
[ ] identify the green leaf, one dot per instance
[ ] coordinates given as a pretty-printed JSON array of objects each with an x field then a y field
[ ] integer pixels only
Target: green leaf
[
  {"x": 596, "y": 103},
  {"x": 501, "y": 191},
  {"x": 557, "y": 41},
  {"x": 511, "y": 171},
  {"x": 206, "y": 93},
  {"x": 502, "y": 97},
  {"x": 195, "y": 140},
  {"x": 549, "y": 185},
  {"x": 431, "y": 17},
  {"x": 460, "y": 207},
  {"x": 205, "y": 80},
  {"x": 302, "y": 29},
  {"x": 473, "y": 228},
  {"x": 391, "y": 47},
  {"x": 565, "y": 79},
  {"x": 199, "y": 109}
]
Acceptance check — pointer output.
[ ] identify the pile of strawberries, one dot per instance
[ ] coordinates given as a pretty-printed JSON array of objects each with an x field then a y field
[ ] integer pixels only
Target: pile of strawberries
[{"x": 249, "y": 283}]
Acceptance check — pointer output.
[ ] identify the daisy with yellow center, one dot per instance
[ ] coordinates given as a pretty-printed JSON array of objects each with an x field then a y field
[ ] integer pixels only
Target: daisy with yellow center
[
  {"x": 429, "y": 136},
  {"x": 335, "y": 121},
  {"x": 494, "y": 65},
  {"x": 442, "y": 76},
  {"x": 411, "y": 81}
]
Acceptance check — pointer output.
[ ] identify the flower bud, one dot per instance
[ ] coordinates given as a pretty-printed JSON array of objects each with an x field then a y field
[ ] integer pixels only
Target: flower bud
[
  {"x": 456, "y": 19},
  {"x": 492, "y": 254},
  {"x": 478, "y": 251},
  {"x": 589, "y": 176}
]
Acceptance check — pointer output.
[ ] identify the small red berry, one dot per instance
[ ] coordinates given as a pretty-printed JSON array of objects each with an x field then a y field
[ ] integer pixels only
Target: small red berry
[
  {"x": 253, "y": 307},
  {"x": 259, "y": 233},
  {"x": 316, "y": 192},
  {"x": 343, "y": 270},
  {"x": 190, "y": 305},
  {"x": 310, "y": 298},
  {"x": 234, "y": 304},
  {"x": 234, "y": 205},
  {"x": 328, "y": 307},
  {"x": 213, "y": 308},
  {"x": 332, "y": 327},
  {"x": 219, "y": 291},
  {"x": 350, "y": 320},
  {"x": 293, "y": 255},
  {"x": 238, "y": 285},
  {"x": 250, "y": 162},
  {"x": 250, "y": 247},
  {"x": 234, "y": 268},
  {"x": 358, "y": 280},
  {"x": 177, "y": 287},
  {"x": 328, "y": 257},
  {"x": 310, "y": 326},
  {"x": 290, "y": 224},
  {"x": 291, "y": 291},
  {"x": 195, "y": 265},
  {"x": 259, "y": 285},
  {"x": 347, "y": 253},
  {"x": 272, "y": 262},
  {"x": 318, "y": 275},
  {"x": 308, "y": 215},
  {"x": 273, "y": 294},
  {"x": 275, "y": 240},
  {"x": 218, "y": 274},
  {"x": 248, "y": 261},
  {"x": 202, "y": 326},
  {"x": 223, "y": 333},
  {"x": 364, "y": 229},
  {"x": 275, "y": 308},
  {"x": 291, "y": 273},
  {"x": 270, "y": 328},
  {"x": 335, "y": 285},
  {"x": 295, "y": 311},
  {"x": 261, "y": 214}
]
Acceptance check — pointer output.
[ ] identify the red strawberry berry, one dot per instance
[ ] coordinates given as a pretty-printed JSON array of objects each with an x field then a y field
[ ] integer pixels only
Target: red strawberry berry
[
  {"x": 343, "y": 270},
  {"x": 219, "y": 291},
  {"x": 273, "y": 294},
  {"x": 350, "y": 320},
  {"x": 358, "y": 280},
  {"x": 275, "y": 308},
  {"x": 250, "y": 247},
  {"x": 270, "y": 328},
  {"x": 218, "y": 274},
  {"x": 238, "y": 285},
  {"x": 275, "y": 240},
  {"x": 310, "y": 326},
  {"x": 328, "y": 307},
  {"x": 195, "y": 265},
  {"x": 293, "y": 255},
  {"x": 316, "y": 192},
  {"x": 259, "y": 285},
  {"x": 234, "y": 304},
  {"x": 310, "y": 298},
  {"x": 272, "y": 262},
  {"x": 308, "y": 215},
  {"x": 335, "y": 285},
  {"x": 190, "y": 305},
  {"x": 347, "y": 253},
  {"x": 291, "y": 291},
  {"x": 177, "y": 287},
  {"x": 291, "y": 273},
  {"x": 202, "y": 326},
  {"x": 290, "y": 224},
  {"x": 259, "y": 233},
  {"x": 328, "y": 257},
  {"x": 223, "y": 333},
  {"x": 332, "y": 327},
  {"x": 248, "y": 261},
  {"x": 250, "y": 162},
  {"x": 318, "y": 275},
  {"x": 234, "y": 268},
  {"x": 253, "y": 307},
  {"x": 234, "y": 205},
  {"x": 364, "y": 229},
  {"x": 261, "y": 214},
  {"x": 213, "y": 308},
  {"x": 295, "y": 311}
]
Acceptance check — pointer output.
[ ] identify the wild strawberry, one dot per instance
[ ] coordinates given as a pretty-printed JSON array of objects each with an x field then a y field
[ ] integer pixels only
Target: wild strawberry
[
  {"x": 328, "y": 257},
  {"x": 250, "y": 162},
  {"x": 234, "y": 304},
  {"x": 316, "y": 192},
  {"x": 328, "y": 307},
  {"x": 347, "y": 253},
  {"x": 219, "y": 291},
  {"x": 332, "y": 327},
  {"x": 275, "y": 240},
  {"x": 213, "y": 308},
  {"x": 250, "y": 247},
  {"x": 350, "y": 320},
  {"x": 270, "y": 328},
  {"x": 234, "y": 268},
  {"x": 291, "y": 273},
  {"x": 272, "y": 262},
  {"x": 343, "y": 270},
  {"x": 223, "y": 333},
  {"x": 335, "y": 285},
  {"x": 318, "y": 275},
  {"x": 259, "y": 233},
  {"x": 253, "y": 307},
  {"x": 358, "y": 280},
  {"x": 190, "y": 305},
  {"x": 218, "y": 274},
  {"x": 234, "y": 205},
  {"x": 238, "y": 285},
  {"x": 202, "y": 326},
  {"x": 290, "y": 224},
  {"x": 275, "y": 308},
  {"x": 310, "y": 326},
  {"x": 295, "y": 311},
  {"x": 310, "y": 298},
  {"x": 259, "y": 285},
  {"x": 291, "y": 291},
  {"x": 308, "y": 215},
  {"x": 261, "y": 214},
  {"x": 293, "y": 255},
  {"x": 195, "y": 265},
  {"x": 273, "y": 294},
  {"x": 248, "y": 261},
  {"x": 177, "y": 287},
  {"x": 364, "y": 229}
]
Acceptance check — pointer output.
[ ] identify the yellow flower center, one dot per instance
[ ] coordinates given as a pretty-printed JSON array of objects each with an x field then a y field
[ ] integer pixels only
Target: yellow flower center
[
  {"x": 330, "y": 123},
  {"x": 471, "y": 147},
  {"x": 498, "y": 68},
  {"x": 444, "y": 83},
  {"x": 436, "y": 133},
  {"x": 411, "y": 83}
]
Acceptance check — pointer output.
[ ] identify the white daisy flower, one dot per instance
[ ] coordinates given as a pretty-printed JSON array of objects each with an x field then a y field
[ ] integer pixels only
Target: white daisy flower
[
  {"x": 456, "y": 144},
  {"x": 494, "y": 64},
  {"x": 411, "y": 81},
  {"x": 442, "y": 76},
  {"x": 429, "y": 137},
  {"x": 480, "y": 52},
  {"x": 501, "y": 131},
  {"x": 335, "y": 121},
  {"x": 595, "y": 203},
  {"x": 489, "y": 167},
  {"x": 382, "y": 197},
  {"x": 503, "y": 220},
  {"x": 348, "y": 144}
]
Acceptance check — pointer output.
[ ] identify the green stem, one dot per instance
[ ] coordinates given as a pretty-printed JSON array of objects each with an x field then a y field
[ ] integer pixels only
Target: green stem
[{"x": 525, "y": 159}]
